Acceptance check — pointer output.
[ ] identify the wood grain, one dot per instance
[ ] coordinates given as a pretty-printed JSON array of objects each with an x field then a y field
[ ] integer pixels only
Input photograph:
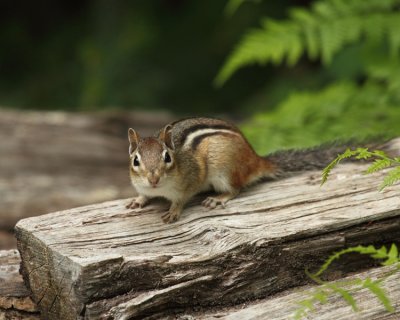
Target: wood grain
[
  {"x": 105, "y": 261},
  {"x": 15, "y": 302},
  {"x": 285, "y": 306}
]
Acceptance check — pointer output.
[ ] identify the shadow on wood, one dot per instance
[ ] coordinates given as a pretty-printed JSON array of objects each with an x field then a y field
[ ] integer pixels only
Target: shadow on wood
[{"x": 105, "y": 261}]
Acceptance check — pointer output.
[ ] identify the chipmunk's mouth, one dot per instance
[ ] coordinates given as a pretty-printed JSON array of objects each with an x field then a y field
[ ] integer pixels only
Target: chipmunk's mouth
[
  {"x": 154, "y": 181},
  {"x": 154, "y": 185}
]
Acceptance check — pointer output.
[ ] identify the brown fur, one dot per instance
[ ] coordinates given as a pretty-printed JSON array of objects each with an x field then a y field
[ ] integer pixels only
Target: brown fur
[{"x": 206, "y": 153}]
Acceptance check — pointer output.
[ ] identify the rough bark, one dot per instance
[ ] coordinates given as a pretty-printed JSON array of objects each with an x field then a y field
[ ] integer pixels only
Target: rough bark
[
  {"x": 55, "y": 160},
  {"x": 15, "y": 302},
  {"x": 105, "y": 261}
]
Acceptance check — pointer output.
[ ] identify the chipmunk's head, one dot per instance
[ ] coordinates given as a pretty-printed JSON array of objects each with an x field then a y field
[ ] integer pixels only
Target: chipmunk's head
[{"x": 151, "y": 159}]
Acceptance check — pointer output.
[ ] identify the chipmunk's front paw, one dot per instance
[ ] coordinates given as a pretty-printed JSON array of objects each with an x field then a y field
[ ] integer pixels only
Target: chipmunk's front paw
[
  {"x": 170, "y": 217},
  {"x": 138, "y": 202},
  {"x": 173, "y": 213}
]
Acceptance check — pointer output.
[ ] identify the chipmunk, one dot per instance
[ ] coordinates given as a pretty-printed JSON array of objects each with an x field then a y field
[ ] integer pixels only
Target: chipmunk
[{"x": 193, "y": 155}]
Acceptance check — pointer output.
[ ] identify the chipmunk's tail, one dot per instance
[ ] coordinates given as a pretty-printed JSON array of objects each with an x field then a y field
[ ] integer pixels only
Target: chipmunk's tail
[{"x": 288, "y": 162}]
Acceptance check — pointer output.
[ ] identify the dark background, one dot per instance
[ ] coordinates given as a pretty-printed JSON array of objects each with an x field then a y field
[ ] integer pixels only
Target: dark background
[{"x": 165, "y": 54}]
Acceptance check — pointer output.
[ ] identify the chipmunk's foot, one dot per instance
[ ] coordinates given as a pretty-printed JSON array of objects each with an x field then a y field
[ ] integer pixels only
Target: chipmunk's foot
[
  {"x": 213, "y": 202},
  {"x": 173, "y": 213},
  {"x": 170, "y": 217},
  {"x": 137, "y": 202},
  {"x": 220, "y": 200}
]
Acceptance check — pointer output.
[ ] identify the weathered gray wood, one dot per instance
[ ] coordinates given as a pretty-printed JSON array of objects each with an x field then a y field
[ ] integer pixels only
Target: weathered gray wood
[
  {"x": 110, "y": 262},
  {"x": 57, "y": 160},
  {"x": 15, "y": 302},
  {"x": 285, "y": 306}
]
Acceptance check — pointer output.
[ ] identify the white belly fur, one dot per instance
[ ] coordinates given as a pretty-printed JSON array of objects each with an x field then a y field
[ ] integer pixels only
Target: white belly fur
[
  {"x": 165, "y": 190},
  {"x": 219, "y": 181}
]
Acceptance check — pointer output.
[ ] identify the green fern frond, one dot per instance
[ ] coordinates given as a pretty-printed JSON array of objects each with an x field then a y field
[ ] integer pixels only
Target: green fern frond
[
  {"x": 377, "y": 290},
  {"x": 345, "y": 288},
  {"x": 342, "y": 109},
  {"x": 320, "y": 295},
  {"x": 391, "y": 178},
  {"x": 369, "y": 250},
  {"x": 381, "y": 163},
  {"x": 378, "y": 165},
  {"x": 345, "y": 155},
  {"x": 392, "y": 257},
  {"x": 347, "y": 296},
  {"x": 321, "y": 31},
  {"x": 380, "y": 253}
]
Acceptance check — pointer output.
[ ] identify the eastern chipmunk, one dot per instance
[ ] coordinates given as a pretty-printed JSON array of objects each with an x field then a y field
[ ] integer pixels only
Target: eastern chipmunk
[{"x": 193, "y": 155}]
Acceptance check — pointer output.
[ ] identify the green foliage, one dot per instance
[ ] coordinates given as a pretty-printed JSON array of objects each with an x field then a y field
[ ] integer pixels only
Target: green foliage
[
  {"x": 354, "y": 40},
  {"x": 346, "y": 107},
  {"x": 382, "y": 161},
  {"x": 342, "y": 109},
  {"x": 233, "y": 5},
  {"x": 321, "y": 31},
  {"x": 347, "y": 288},
  {"x": 391, "y": 178},
  {"x": 389, "y": 257}
]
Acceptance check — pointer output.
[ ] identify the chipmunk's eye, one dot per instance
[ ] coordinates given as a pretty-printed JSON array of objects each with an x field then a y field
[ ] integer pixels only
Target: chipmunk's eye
[
  {"x": 167, "y": 157},
  {"x": 136, "y": 162}
]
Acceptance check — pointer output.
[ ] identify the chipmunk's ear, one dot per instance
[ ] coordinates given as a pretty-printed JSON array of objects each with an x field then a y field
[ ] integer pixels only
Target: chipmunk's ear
[
  {"x": 134, "y": 138},
  {"x": 166, "y": 136}
]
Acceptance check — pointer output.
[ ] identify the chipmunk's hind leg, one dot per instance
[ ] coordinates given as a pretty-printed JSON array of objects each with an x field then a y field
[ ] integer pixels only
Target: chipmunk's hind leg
[{"x": 219, "y": 200}]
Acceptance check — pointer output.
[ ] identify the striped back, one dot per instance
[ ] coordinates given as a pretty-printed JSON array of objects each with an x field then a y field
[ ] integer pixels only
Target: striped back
[{"x": 188, "y": 133}]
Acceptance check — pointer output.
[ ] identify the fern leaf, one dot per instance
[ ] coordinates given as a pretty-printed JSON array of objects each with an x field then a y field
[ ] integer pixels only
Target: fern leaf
[
  {"x": 380, "y": 153},
  {"x": 370, "y": 250},
  {"x": 321, "y": 31},
  {"x": 391, "y": 178},
  {"x": 346, "y": 295},
  {"x": 327, "y": 170},
  {"x": 301, "y": 311},
  {"x": 311, "y": 37},
  {"x": 380, "y": 253},
  {"x": 374, "y": 287},
  {"x": 321, "y": 297},
  {"x": 363, "y": 153},
  {"x": 377, "y": 165},
  {"x": 393, "y": 256},
  {"x": 307, "y": 304}
]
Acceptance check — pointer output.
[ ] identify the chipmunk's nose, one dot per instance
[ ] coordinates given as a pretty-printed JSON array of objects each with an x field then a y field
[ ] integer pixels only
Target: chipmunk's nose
[{"x": 153, "y": 179}]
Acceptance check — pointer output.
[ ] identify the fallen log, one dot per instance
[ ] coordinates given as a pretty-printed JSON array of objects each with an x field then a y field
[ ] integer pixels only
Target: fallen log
[
  {"x": 285, "y": 306},
  {"x": 57, "y": 160},
  {"x": 105, "y": 261},
  {"x": 15, "y": 302}
]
